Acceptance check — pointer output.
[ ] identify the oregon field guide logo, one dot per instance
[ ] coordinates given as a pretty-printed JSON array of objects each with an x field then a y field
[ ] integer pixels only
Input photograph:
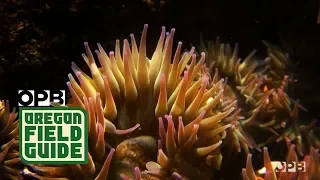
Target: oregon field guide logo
[{"x": 53, "y": 135}]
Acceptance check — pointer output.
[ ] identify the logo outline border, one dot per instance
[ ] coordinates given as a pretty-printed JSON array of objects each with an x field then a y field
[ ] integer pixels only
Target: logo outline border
[{"x": 86, "y": 124}]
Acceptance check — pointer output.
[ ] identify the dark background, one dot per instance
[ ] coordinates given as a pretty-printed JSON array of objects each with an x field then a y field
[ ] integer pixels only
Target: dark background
[{"x": 40, "y": 39}]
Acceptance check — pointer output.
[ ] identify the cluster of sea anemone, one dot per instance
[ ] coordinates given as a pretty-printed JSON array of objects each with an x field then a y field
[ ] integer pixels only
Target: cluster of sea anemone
[
  {"x": 9, "y": 141},
  {"x": 169, "y": 116},
  {"x": 308, "y": 170},
  {"x": 261, "y": 93}
]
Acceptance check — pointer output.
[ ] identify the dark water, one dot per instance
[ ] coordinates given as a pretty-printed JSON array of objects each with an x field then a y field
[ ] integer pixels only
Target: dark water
[{"x": 38, "y": 39}]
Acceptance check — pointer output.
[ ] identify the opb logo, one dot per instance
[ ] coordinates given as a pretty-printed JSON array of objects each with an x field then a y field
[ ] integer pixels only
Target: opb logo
[
  {"x": 41, "y": 97},
  {"x": 291, "y": 167}
]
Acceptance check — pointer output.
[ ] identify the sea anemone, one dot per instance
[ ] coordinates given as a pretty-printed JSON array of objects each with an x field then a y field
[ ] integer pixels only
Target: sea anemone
[
  {"x": 169, "y": 117},
  {"x": 163, "y": 119},
  {"x": 9, "y": 141},
  {"x": 308, "y": 171},
  {"x": 261, "y": 91}
]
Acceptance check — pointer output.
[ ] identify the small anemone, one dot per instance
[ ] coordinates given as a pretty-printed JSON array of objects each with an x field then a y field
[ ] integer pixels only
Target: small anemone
[
  {"x": 188, "y": 151},
  {"x": 311, "y": 170},
  {"x": 9, "y": 141},
  {"x": 261, "y": 93}
]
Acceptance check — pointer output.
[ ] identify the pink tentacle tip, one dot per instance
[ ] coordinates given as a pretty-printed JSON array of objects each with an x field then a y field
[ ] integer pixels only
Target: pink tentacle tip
[
  {"x": 195, "y": 127},
  {"x": 185, "y": 75},
  {"x": 100, "y": 128},
  {"x": 138, "y": 173},
  {"x": 205, "y": 79},
  {"x": 168, "y": 117},
  {"x": 126, "y": 42},
  {"x": 124, "y": 177},
  {"x": 104, "y": 77},
  {"x": 202, "y": 113},
  {"x": 79, "y": 74},
  {"x": 177, "y": 176},
  {"x": 126, "y": 131},
  {"x": 107, "y": 162},
  {"x": 112, "y": 151},
  {"x": 163, "y": 78},
  {"x": 111, "y": 53}
]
